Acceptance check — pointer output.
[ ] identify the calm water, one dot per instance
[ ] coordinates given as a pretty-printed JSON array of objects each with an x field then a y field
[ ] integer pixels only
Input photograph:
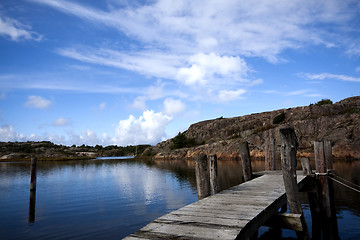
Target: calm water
[{"x": 109, "y": 199}]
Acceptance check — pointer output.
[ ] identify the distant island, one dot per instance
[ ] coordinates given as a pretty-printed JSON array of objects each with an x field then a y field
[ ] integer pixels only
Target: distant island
[
  {"x": 45, "y": 150},
  {"x": 338, "y": 122}
]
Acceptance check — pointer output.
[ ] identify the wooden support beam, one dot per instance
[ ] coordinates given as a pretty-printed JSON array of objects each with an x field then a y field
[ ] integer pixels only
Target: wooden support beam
[
  {"x": 214, "y": 181},
  {"x": 245, "y": 160},
  {"x": 202, "y": 176},
  {"x": 289, "y": 146},
  {"x": 290, "y": 221},
  {"x": 270, "y": 150},
  {"x": 328, "y": 221},
  {"x": 305, "y": 164}
]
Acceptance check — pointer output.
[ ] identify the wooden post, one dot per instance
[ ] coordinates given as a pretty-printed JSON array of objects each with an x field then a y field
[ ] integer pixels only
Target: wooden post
[
  {"x": 305, "y": 164},
  {"x": 246, "y": 161},
  {"x": 202, "y": 176},
  {"x": 32, "y": 189},
  {"x": 289, "y": 146},
  {"x": 327, "y": 209},
  {"x": 214, "y": 182},
  {"x": 328, "y": 155},
  {"x": 270, "y": 149}
]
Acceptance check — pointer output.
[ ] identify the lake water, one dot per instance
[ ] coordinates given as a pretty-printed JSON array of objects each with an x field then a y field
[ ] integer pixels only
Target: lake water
[{"x": 109, "y": 199}]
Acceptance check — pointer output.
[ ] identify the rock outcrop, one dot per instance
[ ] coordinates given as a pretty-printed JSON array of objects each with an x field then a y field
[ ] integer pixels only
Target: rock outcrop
[{"x": 339, "y": 123}]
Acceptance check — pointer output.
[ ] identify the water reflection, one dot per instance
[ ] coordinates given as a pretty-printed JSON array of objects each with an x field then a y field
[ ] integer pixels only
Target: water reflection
[{"x": 113, "y": 198}]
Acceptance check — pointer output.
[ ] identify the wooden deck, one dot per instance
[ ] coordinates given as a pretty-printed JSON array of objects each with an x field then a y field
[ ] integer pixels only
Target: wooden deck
[{"x": 235, "y": 213}]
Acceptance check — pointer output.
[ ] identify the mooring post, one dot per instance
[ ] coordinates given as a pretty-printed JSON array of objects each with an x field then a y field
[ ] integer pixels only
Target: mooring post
[
  {"x": 270, "y": 150},
  {"x": 305, "y": 164},
  {"x": 202, "y": 176},
  {"x": 214, "y": 182},
  {"x": 289, "y": 146},
  {"x": 246, "y": 161},
  {"x": 32, "y": 189},
  {"x": 328, "y": 155},
  {"x": 328, "y": 223}
]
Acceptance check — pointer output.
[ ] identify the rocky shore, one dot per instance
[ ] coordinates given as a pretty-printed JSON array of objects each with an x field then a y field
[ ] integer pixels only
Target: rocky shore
[{"x": 338, "y": 122}]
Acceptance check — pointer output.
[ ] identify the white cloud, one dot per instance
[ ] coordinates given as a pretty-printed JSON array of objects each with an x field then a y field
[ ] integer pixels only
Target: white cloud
[
  {"x": 250, "y": 28},
  {"x": 206, "y": 68},
  {"x": 61, "y": 122},
  {"x": 228, "y": 95},
  {"x": 148, "y": 128},
  {"x": 7, "y": 133},
  {"x": 17, "y": 31},
  {"x": 323, "y": 76},
  {"x": 37, "y": 102},
  {"x": 172, "y": 106}
]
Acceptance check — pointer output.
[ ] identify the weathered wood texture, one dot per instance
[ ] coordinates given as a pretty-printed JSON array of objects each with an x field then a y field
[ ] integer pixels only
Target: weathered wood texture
[
  {"x": 270, "y": 150},
  {"x": 328, "y": 221},
  {"x": 245, "y": 160},
  {"x": 289, "y": 146},
  {"x": 235, "y": 213},
  {"x": 214, "y": 182},
  {"x": 202, "y": 176},
  {"x": 305, "y": 164}
]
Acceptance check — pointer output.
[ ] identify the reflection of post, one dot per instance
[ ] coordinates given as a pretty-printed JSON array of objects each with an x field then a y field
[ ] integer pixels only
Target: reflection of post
[
  {"x": 202, "y": 176},
  {"x": 245, "y": 160},
  {"x": 325, "y": 192},
  {"x": 288, "y": 164},
  {"x": 214, "y": 182},
  {"x": 32, "y": 189}
]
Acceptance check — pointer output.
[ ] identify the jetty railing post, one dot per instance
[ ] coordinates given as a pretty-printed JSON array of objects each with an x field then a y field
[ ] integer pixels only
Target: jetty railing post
[
  {"x": 245, "y": 161},
  {"x": 202, "y": 176},
  {"x": 214, "y": 182},
  {"x": 289, "y": 146},
  {"x": 270, "y": 150},
  {"x": 32, "y": 189},
  {"x": 328, "y": 155},
  {"x": 327, "y": 209},
  {"x": 305, "y": 164}
]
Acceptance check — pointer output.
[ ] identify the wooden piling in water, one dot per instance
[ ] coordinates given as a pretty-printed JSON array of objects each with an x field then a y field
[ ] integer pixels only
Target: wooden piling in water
[
  {"x": 32, "y": 201},
  {"x": 289, "y": 146},
  {"x": 213, "y": 172},
  {"x": 202, "y": 176},
  {"x": 328, "y": 221},
  {"x": 245, "y": 160},
  {"x": 328, "y": 155},
  {"x": 270, "y": 150}
]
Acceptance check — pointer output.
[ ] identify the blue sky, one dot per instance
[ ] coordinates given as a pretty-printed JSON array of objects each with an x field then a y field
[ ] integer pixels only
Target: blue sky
[{"x": 138, "y": 72}]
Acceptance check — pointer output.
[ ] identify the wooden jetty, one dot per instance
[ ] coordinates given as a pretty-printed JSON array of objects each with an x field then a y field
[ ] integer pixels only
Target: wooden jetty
[
  {"x": 238, "y": 212},
  {"x": 235, "y": 213}
]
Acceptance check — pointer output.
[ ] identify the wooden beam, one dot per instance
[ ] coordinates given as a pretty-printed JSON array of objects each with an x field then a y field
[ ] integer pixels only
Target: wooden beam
[
  {"x": 245, "y": 160},
  {"x": 202, "y": 176},
  {"x": 290, "y": 221}
]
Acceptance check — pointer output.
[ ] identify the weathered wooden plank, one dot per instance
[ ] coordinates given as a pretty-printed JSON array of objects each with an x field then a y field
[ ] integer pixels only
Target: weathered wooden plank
[
  {"x": 190, "y": 231},
  {"x": 217, "y": 214},
  {"x": 236, "y": 212},
  {"x": 197, "y": 220},
  {"x": 285, "y": 220},
  {"x": 135, "y": 238}
]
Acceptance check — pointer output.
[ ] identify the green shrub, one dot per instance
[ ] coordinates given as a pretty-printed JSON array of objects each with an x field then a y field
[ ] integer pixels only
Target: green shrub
[
  {"x": 181, "y": 141},
  {"x": 323, "y": 102},
  {"x": 279, "y": 118}
]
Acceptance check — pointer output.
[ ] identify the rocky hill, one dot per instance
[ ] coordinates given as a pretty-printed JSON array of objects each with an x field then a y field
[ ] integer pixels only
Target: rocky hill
[{"x": 338, "y": 122}]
